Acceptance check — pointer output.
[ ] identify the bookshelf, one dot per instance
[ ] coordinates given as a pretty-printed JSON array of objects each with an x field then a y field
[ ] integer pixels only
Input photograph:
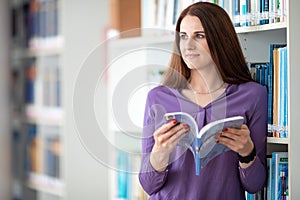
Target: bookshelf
[
  {"x": 49, "y": 43},
  {"x": 5, "y": 141},
  {"x": 255, "y": 41},
  {"x": 293, "y": 44},
  {"x": 37, "y": 112}
]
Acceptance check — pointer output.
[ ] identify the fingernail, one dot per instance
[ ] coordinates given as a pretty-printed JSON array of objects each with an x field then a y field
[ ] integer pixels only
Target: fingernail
[
  {"x": 175, "y": 121},
  {"x": 225, "y": 129},
  {"x": 186, "y": 127}
]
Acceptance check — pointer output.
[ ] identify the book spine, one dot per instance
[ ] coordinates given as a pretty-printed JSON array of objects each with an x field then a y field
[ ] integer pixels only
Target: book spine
[
  {"x": 243, "y": 12},
  {"x": 236, "y": 13},
  {"x": 283, "y": 93},
  {"x": 197, "y": 159}
]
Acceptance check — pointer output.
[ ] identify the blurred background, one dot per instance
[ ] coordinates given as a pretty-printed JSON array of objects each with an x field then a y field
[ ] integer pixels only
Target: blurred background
[{"x": 52, "y": 55}]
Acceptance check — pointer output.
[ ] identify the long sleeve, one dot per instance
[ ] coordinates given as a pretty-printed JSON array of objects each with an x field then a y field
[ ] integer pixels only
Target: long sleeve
[
  {"x": 150, "y": 179},
  {"x": 253, "y": 177}
]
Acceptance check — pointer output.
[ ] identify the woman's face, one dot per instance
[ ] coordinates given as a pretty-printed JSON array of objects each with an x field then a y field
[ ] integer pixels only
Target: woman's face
[{"x": 193, "y": 44}]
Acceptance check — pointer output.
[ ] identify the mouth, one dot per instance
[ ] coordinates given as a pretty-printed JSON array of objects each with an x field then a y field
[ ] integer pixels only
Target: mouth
[{"x": 190, "y": 56}]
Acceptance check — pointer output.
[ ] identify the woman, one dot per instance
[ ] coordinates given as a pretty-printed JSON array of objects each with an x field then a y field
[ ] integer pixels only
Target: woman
[{"x": 209, "y": 79}]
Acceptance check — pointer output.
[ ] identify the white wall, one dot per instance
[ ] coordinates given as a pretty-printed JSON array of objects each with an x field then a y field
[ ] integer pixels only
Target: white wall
[
  {"x": 5, "y": 142},
  {"x": 83, "y": 27}
]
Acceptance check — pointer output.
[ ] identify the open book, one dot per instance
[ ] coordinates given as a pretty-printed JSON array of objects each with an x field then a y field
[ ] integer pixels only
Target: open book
[{"x": 202, "y": 143}]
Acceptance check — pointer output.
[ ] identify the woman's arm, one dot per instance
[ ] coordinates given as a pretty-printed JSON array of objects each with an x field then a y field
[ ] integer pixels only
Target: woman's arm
[
  {"x": 157, "y": 146},
  {"x": 253, "y": 177},
  {"x": 243, "y": 141}
]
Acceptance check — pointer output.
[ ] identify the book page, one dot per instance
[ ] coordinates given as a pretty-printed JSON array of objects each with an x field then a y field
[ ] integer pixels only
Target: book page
[{"x": 209, "y": 148}]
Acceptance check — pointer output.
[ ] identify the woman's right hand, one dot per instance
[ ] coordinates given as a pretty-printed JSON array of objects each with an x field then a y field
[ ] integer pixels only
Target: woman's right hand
[{"x": 166, "y": 138}]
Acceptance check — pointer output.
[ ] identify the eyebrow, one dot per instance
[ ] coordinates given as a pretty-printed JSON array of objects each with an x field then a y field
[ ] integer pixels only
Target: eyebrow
[{"x": 194, "y": 32}]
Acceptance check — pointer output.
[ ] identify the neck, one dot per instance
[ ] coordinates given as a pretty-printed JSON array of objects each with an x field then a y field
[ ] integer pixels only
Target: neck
[
  {"x": 205, "y": 79},
  {"x": 206, "y": 86},
  {"x": 210, "y": 91}
]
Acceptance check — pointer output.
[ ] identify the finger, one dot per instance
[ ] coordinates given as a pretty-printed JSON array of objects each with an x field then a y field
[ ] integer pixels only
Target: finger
[
  {"x": 166, "y": 127},
  {"x": 243, "y": 131},
  {"x": 231, "y": 144},
  {"x": 179, "y": 134},
  {"x": 173, "y": 133},
  {"x": 230, "y": 135}
]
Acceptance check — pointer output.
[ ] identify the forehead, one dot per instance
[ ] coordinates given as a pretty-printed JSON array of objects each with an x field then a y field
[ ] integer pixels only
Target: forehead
[{"x": 190, "y": 24}]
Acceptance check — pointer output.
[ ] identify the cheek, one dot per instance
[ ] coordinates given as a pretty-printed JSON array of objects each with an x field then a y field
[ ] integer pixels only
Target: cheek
[
  {"x": 181, "y": 46},
  {"x": 206, "y": 48}
]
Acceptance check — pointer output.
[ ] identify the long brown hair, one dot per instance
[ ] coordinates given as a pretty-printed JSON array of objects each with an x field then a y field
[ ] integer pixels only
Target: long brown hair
[{"x": 222, "y": 41}]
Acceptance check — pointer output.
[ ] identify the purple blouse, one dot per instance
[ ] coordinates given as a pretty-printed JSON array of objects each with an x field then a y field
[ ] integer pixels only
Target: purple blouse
[{"x": 221, "y": 178}]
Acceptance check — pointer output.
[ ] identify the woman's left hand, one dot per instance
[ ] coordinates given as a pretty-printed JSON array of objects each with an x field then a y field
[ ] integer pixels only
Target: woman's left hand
[{"x": 238, "y": 140}]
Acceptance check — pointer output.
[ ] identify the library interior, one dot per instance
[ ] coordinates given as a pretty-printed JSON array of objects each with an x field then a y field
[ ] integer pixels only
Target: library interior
[{"x": 74, "y": 79}]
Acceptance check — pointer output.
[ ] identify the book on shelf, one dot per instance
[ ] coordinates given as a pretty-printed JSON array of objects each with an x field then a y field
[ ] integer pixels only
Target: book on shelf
[
  {"x": 43, "y": 151},
  {"x": 35, "y": 24},
  {"x": 43, "y": 82},
  {"x": 52, "y": 156},
  {"x": 33, "y": 150},
  {"x": 258, "y": 12},
  {"x": 202, "y": 143},
  {"x": 269, "y": 177},
  {"x": 164, "y": 13},
  {"x": 283, "y": 93},
  {"x": 51, "y": 81},
  {"x": 259, "y": 72},
  {"x": 30, "y": 82},
  {"x": 277, "y": 179},
  {"x": 271, "y": 86},
  {"x": 126, "y": 179},
  {"x": 273, "y": 75},
  {"x": 279, "y": 173},
  {"x": 278, "y": 61},
  {"x": 260, "y": 195}
]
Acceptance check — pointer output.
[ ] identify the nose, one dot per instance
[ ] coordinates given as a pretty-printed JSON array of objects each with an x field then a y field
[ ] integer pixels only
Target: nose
[{"x": 190, "y": 44}]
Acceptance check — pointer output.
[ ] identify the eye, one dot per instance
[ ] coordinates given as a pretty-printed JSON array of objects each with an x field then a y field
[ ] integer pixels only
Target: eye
[
  {"x": 200, "y": 35},
  {"x": 183, "y": 37}
]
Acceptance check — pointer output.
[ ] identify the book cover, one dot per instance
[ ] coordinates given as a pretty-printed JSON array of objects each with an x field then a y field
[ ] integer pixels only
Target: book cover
[
  {"x": 279, "y": 190},
  {"x": 202, "y": 143}
]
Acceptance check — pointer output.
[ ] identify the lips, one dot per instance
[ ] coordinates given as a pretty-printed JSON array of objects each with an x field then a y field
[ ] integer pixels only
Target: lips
[{"x": 192, "y": 55}]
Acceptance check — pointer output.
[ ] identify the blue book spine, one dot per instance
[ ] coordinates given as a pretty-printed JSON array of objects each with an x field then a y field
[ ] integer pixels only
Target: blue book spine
[
  {"x": 270, "y": 87},
  {"x": 243, "y": 12},
  {"x": 283, "y": 92},
  {"x": 264, "y": 9},
  {"x": 270, "y": 82},
  {"x": 175, "y": 11},
  {"x": 122, "y": 176},
  {"x": 236, "y": 13},
  {"x": 257, "y": 73},
  {"x": 198, "y": 142},
  {"x": 266, "y": 69},
  {"x": 221, "y": 3},
  {"x": 283, "y": 180},
  {"x": 286, "y": 94}
]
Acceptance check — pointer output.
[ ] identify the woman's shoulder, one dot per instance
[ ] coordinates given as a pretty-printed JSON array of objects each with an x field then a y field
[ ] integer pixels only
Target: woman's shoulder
[
  {"x": 161, "y": 90},
  {"x": 251, "y": 87}
]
